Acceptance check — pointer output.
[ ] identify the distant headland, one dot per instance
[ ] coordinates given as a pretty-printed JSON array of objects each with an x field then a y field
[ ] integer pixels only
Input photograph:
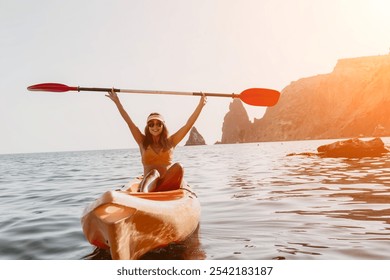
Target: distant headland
[{"x": 351, "y": 101}]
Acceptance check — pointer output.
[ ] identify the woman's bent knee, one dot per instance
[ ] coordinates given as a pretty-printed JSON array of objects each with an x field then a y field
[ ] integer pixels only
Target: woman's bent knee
[
  {"x": 149, "y": 183},
  {"x": 172, "y": 179}
]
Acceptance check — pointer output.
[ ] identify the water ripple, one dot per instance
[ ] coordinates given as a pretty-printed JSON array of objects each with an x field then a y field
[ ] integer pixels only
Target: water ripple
[{"x": 257, "y": 203}]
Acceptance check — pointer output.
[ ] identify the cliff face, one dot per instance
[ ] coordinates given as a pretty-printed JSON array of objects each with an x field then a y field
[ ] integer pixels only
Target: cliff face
[
  {"x": 351, "y": 101},
  {"x": 235, "y": 124}
]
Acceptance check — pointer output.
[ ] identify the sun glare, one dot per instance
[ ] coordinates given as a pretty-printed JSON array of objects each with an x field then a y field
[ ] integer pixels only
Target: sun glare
[{"x": 379, "y": 11}]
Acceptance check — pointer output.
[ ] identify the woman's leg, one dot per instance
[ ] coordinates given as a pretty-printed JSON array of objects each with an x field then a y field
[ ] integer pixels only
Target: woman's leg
[
  {"x": 149, "y": 183},
  {"x": 172, "y": 179}
]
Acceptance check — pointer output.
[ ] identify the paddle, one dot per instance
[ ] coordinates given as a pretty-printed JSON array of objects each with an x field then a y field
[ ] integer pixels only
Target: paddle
[{"x": 252, "y": 96}]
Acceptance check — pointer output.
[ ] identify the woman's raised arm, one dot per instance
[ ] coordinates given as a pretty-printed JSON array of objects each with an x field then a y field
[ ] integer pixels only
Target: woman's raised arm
[
  {"x": 138, "y": 136},
  {"x": 182, "y": 132}
]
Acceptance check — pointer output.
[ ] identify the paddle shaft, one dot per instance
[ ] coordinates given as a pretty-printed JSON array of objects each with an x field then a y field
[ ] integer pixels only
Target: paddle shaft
[{"x": 156, "y": 92}]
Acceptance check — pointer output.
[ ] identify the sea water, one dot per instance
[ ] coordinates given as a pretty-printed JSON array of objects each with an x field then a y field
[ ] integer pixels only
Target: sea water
[{"x": 257, "y": 202}]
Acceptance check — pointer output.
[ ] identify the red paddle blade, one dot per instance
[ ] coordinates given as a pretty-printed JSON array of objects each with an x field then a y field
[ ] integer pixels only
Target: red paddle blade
[
  {"x": 260, "y": 96},
  {"x": 53, "y": 87}
]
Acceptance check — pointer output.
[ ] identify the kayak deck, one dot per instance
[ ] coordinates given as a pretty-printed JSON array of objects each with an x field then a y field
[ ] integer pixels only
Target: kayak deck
[{"x": 131, "y": 223}]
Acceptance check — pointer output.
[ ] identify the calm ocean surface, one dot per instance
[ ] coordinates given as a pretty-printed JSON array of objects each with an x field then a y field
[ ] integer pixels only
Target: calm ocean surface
[{"x": 257, "y": 203}]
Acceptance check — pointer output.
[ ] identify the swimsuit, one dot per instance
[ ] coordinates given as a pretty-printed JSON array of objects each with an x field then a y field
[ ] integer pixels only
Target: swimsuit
[{"x": 150, "y": 157}]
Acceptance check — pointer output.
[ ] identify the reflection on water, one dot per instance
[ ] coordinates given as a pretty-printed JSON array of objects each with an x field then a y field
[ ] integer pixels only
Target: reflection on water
[
  {"x": 361, "y": 182},
  {"x": 257, "y": 202},
  {"x": 189, "y": 249},
  {"x": 186, "y": 250},
  {"x": 347, "y": 171},
  {"x": 321, "y": 207}
]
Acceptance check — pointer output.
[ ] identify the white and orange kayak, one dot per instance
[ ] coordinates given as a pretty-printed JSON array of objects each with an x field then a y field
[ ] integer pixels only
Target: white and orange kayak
[{"x": 131, "y": 223}]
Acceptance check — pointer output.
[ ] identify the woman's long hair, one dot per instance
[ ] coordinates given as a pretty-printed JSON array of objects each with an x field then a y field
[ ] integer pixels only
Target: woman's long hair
[{"x": 163, "y": 141}]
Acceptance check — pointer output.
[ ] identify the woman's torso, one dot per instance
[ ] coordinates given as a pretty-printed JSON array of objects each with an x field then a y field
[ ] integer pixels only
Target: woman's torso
[{"x": 156, "y": 158}]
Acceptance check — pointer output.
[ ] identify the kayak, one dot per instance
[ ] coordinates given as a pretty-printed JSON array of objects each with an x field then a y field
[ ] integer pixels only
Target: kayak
[{"x": 131, "y": 223}]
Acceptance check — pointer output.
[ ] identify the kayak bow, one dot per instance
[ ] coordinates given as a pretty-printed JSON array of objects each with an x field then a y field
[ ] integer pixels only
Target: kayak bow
[{"x": 131, "y": 223}]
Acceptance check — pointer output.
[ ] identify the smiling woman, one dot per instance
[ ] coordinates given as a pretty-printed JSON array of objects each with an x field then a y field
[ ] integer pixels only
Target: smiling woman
[{"x": 156, "y": 147}]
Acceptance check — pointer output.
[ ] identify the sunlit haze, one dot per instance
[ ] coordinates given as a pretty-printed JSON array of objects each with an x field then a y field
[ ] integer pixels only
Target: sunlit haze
[{"x": 196, "y": 45}]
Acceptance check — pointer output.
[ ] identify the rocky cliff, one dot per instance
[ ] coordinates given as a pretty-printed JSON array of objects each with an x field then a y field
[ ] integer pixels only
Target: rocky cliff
[
  {"x": 351, "y": 101},
  {"x": 235, "y": 124},
  {"x": 195, "y": 138}
]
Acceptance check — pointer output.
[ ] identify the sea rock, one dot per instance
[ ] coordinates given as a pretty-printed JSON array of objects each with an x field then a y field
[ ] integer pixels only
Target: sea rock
[
  {"x": 235, "y": 124},
  {"x": 351, "y": 101},
  {"x": 354, "y": 148},
  {"x": 195, "y": 138},
  {"x": 306, "y": 154}
]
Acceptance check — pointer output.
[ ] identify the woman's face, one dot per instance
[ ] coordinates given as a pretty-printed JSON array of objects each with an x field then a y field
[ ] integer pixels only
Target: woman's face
[{"x": 155, "y": 127}]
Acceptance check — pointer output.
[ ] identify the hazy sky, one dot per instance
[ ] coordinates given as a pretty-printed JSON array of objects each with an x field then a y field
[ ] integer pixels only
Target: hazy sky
[{"x": 187, "y": 45}]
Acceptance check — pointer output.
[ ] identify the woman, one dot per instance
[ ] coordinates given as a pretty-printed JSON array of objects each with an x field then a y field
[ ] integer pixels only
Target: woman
[{"x": 156, "y": 147}]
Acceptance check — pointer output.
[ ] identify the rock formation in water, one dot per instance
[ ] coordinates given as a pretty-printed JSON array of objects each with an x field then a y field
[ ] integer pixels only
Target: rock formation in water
[
  {"x": 235, "y": 124},
  {"x": 351, "y": 148},
  {"x": 351, "y": 101},
  {"x": 195, "y": 138},
  {"x": 354, "y": 148}
]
